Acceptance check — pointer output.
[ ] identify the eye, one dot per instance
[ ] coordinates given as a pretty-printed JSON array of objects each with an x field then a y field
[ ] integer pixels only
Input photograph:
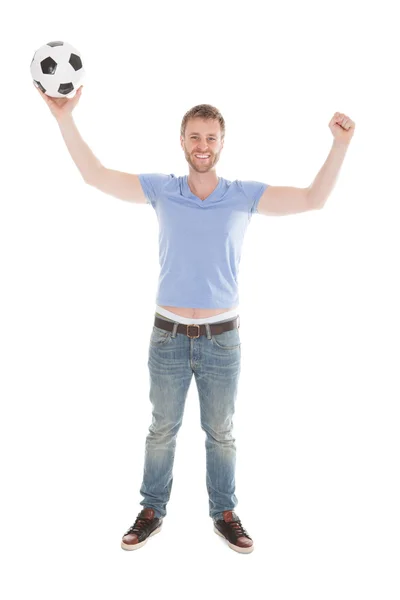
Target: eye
[{"x": 194, "y": 136}]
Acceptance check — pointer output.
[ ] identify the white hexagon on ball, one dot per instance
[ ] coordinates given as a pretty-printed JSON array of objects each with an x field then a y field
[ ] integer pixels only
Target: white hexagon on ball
[{"x": 57, "y": 69}]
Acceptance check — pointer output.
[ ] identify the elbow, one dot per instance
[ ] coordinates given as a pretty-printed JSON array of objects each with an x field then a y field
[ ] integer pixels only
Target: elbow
[
  {"x": 314, "y": 202},
  {"x": 88, "y": 180},
  {"x": 93, "y": 177},
  {"x": 318, "y": 206}
]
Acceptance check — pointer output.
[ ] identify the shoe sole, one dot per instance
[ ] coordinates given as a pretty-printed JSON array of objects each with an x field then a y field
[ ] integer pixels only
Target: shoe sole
[
  {"x": 140, "y": 544},
  {"x": 236, "y": 548}
]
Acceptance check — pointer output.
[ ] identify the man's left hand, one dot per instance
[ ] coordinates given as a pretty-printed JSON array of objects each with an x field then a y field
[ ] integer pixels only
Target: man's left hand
[{"x": 342, "y": 128}]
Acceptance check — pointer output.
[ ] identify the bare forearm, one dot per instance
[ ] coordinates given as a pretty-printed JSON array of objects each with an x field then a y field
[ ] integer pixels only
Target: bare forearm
[
  {"x": 326, "y": 179},
  {"x": 80, "y": 152}
]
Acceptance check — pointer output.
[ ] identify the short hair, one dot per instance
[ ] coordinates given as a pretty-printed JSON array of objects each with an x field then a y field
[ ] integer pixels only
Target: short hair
[{"x": 203, "y": 111}]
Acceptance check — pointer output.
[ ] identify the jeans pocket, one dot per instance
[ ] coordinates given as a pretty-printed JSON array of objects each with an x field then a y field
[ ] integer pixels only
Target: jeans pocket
[
  {"x": 159, "y": 336},
  {"x": 229, "y": 340}
]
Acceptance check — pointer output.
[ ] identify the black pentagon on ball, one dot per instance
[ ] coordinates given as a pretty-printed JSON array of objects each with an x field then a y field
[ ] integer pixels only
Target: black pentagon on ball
[
  {"x": 65, "y": 88},
  {"x": 48, "y": 66},
  {"x": 55, "y": 44},
  {"x": 75, "y": 62}
]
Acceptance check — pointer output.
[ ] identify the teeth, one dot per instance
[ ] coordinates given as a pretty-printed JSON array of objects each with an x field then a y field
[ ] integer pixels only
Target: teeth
[{"x": 202, "y": 155}]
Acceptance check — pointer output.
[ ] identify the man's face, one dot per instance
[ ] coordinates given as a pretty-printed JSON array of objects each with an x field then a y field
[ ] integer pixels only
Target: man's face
[{"x": 202, "y": 136}]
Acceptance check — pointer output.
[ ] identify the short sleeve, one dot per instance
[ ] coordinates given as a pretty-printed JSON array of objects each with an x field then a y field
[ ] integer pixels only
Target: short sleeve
[
  {"x": 253, "y": 190},
  {"x": 153, "y": 184}
]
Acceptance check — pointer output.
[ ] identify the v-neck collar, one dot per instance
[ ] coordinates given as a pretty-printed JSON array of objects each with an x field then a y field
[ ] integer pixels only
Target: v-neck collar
[{"x": 188, "y": 192}]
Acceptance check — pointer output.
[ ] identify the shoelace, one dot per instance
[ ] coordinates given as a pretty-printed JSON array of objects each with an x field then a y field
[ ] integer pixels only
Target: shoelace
[
  {"x": 138, "y": 525},
  {"x": 237, "y": 528}
]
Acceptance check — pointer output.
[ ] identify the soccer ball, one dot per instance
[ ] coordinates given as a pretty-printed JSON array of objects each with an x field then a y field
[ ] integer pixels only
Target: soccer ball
[{"x": 57, "y": 69}]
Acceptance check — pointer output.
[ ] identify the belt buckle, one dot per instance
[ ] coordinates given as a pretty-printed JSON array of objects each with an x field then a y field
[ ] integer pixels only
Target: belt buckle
[{"x": 193, "y": 336}]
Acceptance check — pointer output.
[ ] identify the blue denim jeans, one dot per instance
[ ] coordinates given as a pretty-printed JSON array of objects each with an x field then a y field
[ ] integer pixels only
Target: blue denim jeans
[{"x": 215, "y": 361}]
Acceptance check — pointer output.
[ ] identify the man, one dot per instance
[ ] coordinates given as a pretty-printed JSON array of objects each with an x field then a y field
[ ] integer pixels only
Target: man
[{"x": 203, "y": 219}]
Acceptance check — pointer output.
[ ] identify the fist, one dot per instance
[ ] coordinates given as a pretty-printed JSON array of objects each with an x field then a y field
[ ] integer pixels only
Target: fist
[{"x": 342, "y": 128}]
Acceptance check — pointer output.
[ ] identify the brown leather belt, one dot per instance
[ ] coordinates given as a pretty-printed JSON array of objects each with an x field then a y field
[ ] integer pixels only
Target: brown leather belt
[{"x": 198, "y": 330}]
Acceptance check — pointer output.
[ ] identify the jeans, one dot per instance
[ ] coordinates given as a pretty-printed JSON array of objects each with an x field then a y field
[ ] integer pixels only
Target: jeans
[{"x": 215, "y": 361}]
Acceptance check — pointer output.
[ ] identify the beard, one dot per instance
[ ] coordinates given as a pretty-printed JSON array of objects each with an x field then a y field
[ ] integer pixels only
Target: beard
[{"x": 202, "y": 166}]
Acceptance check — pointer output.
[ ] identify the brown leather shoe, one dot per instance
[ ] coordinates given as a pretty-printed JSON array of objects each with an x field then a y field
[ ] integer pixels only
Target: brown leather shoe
[
  {"x": 145, "y": 526},
  {"x": 232, "y": 530}
]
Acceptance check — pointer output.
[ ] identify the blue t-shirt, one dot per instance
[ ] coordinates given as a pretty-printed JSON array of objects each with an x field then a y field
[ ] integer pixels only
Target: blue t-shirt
[{"x": 200, "y": 241}]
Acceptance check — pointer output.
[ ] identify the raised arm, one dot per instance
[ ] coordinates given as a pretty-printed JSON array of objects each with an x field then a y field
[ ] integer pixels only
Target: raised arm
[{"x": 124, "y": 186}]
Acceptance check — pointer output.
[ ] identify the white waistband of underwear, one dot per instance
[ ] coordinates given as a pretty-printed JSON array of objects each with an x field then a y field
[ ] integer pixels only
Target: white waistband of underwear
[{"x": 226, "y": 316}]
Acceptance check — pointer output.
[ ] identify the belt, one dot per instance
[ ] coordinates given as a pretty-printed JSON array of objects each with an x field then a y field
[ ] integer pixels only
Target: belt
[{"x": 198, "y": 330}]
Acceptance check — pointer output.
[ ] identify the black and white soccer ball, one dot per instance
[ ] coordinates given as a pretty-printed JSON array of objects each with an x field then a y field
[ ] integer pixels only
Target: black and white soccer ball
[{"x": 57, "y": 69}]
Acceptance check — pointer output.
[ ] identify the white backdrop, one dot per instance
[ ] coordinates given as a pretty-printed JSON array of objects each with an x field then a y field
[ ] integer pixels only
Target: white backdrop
[{"x": 317, "y": 415}]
